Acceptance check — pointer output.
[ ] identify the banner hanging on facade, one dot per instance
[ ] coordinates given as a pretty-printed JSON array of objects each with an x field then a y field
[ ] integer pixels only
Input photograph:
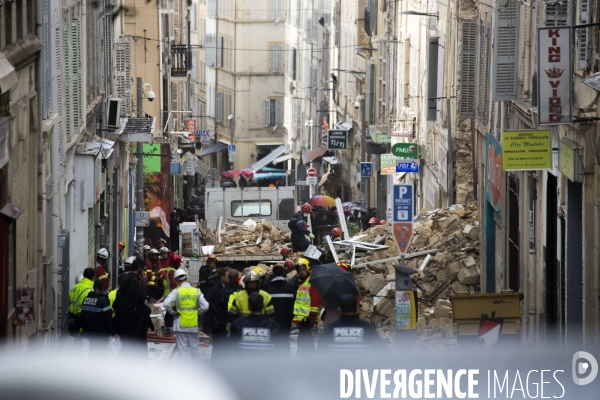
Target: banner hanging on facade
[
  {"x": 554, "y": 75},
  {"x": 157, "y": 191}
]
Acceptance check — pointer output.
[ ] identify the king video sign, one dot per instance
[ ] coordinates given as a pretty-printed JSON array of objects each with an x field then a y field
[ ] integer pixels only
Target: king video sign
[
  {"x": 337, "y": 140},
  {"x": 554, "y": 72}
]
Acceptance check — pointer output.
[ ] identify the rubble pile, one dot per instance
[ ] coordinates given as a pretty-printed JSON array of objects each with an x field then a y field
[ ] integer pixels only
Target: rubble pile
[
  {"x": 445, "y": 251},
  {"x": 253, "y": 238}
]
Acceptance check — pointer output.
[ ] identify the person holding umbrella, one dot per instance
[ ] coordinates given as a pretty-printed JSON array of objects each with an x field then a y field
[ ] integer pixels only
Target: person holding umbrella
[{"x": 349, "y": 332}]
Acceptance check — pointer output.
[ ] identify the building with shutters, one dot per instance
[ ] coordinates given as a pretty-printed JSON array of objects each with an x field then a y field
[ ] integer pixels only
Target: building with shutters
[
  {"x": 539, "y": 231},
  {"x": 244, "y": 66},
  {"x": 62, "y": 172}
]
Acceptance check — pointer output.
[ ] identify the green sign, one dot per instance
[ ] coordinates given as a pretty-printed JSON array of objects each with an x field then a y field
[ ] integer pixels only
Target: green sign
[
  {"x": 408, "y": 150},
  {"x": 151, "y": 158},
  {"x": 566, "y": 161},
  {"x": 387, "y": 164},
  {"x": 337, "y": 140},
  {"x": 526, "y": 150}
]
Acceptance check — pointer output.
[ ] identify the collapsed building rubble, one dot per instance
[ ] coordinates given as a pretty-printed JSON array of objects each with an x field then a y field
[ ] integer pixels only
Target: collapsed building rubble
[{"x": 445, "y": 251}]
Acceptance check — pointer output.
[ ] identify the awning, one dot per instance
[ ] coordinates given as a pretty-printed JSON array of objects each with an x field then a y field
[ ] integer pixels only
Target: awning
[
  {"x": 593, "y": 81},
  {"x": 313, "y": 154},
  {"x": 269, "y": 175},
  {"x": 331, "y": 160},
  {"x": 215, "y": 148},
  {"x": 269, "y": 144},
  {"x": 263, "y": 162},
  {"x": 344, "y": 125},
  {"x": 283, "y": 158},
  {"x": 201, "y": 168},
  {"x": 8, "y": 76},
  {"x": 11, "y": 211}
]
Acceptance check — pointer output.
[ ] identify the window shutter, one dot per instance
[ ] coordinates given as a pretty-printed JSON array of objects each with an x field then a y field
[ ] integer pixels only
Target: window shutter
[
  {"x": 413, "y": 76},
  {"x": 298, "y": 14},
  {"x": 277, "y": 112},
  {"x": 211, "y": 51},
  {"x": 432, "y": 78},
  {"x": 556, "y": 14},
  {"x": 278, "y": 58},
  {"x": 481, "y": 74},
  {"x": 294, "y": 55},
  {"x": 467, "y": 69},
  {"x": 272, "y": 66},
  {"x": 171, "y": 20},
  {"x": 267, "y": 121},
  {"x": 219, "y": 106},
  {"x": 76, "y": 74},
  {"x": 441, "y": 72},
  {"x": 108, "y": 52},
  {"x": 583, "y": 35},
  {"x": 488, "y": 46},
  {"x": 123, "y": 74},
  {"x": 506, "y": 47},
  {"x": 58, "y": 89},
  {"x": 370, "y": 93}
]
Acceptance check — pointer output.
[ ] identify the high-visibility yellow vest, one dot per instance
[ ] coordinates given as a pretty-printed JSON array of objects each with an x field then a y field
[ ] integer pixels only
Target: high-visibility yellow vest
[
  {"x": 78, "y": 294},
  {"x": 302, "y": 303},
  {"x": 187, "y": 306},
  {"x": 166, "y": 281},
  {"x": 239, "y": 303},
  {"x": 112, "y": 295}
]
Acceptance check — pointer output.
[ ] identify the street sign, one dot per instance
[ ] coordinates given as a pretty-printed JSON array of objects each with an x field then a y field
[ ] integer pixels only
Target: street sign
[
  {"x": 407, "y": 166},
  {"x": 403, "y": 215},
  {"x": 301, "y": 183},
  {"x": 213, "y": 176},
  {"x": 366, "y": 169},
  {"x": 311, "y": 172},
  {"x": 142, "y": 219},
  {"x": 404, "y": 134},
  {"x": 204, "y": 136},
  {"x": 337, "y": 139},
  {"x": 311, "y": 180},
  {"x": 231, "y": 148},
  {"x": 407, "y": 150}
]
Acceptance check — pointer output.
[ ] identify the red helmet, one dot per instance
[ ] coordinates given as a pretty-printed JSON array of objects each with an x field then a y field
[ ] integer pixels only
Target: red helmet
[
  {"x": 383, "y": 222},
  {"x": 212, "y": 258},
  {"x": 336, "y": 232},
  {"x": 343, "y": 265},
  {"x": 305, "y": 208},
  {"x": 285, "y": 251},
  {"x": 289, "y": 265},
  {"x": 175, "y": 260},
  {"x": 374, "y": 221}
]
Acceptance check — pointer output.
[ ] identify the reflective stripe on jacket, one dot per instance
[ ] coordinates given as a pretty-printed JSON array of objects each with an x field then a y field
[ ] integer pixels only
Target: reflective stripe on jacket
[
  {"x": 166, "y": 280},
  {"x": 187, "y": 306}
]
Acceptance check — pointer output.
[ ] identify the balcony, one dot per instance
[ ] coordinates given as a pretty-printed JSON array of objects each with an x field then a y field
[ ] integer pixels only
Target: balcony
[{"x": 179, "y": 65}]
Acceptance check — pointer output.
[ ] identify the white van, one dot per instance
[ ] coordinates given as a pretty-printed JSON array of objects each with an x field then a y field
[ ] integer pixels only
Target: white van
[{"x": 277, "y": 205}]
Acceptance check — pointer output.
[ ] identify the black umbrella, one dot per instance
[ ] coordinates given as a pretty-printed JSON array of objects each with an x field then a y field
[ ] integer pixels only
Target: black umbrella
[{"x": 331, "y": 281}]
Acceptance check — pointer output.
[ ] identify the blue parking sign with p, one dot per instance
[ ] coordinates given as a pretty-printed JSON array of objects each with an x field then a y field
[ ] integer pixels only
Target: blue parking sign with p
[{"x": 403, "y": 203}]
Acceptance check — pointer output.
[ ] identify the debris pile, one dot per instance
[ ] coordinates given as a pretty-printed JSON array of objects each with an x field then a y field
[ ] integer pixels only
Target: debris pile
[
  {"x": 253, "y": 238},
  {"x": 445, "y": 251}
]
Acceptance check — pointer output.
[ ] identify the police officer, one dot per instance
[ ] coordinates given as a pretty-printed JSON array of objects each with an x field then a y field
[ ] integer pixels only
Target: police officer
[
  {"x": 256, "y": 331},
  {"x": 96, "y": 319},
  {"x": 349, "y": 332},
  {"x": 76, "y": 296}
]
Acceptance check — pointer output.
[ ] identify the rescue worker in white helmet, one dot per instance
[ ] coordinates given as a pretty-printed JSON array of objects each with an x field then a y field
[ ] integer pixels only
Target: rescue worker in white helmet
[
  {"x": 185, "y": 303},
  {"x": 101, "y": 268}
]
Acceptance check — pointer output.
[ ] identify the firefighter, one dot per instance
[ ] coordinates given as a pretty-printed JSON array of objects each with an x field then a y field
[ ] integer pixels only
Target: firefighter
[
  {"x": 239, "y": 303},
  {"x": 336, "y": 234},
  {"x": 307, "y": 307},
  {"x": 101, "y": 268},
  {"x": 151, "y": 273}
]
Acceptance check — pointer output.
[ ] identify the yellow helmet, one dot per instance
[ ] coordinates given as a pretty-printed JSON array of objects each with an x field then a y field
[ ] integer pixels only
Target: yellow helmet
[
  {"x": 302, "y": 261},
  {"x": 259, "y": 271}
]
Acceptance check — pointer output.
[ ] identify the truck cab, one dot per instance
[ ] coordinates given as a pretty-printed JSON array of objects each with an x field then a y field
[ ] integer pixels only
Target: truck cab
[{"x": 275, "y": 204}]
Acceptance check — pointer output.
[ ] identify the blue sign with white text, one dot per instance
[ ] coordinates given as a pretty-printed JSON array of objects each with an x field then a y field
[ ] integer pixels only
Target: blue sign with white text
[
  {"x": 231, "y": 148},
  {"x": 366, "y": 169},
  {"x": 407, "y": 166},
  {"x": 403, "y": 203}
]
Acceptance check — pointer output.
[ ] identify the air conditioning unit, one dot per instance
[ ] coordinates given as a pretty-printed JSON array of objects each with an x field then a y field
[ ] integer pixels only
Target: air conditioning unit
[{"x": 114, "y": 113}]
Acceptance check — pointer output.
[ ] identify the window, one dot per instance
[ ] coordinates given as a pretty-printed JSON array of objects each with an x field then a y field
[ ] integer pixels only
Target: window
[
  {"x": 8, "y": 23},
  {"x": 253, "y": 208},
  {"x": 276, "y": 10},
  {"x": 193, "y": 18},
  {"x": 211, "y": 8},
  {"x": 275, "y": 55},
  {"x": 19, "y": 7},
  {"x": 272, "y": 112},
  {"x": 219, "y": 107}
]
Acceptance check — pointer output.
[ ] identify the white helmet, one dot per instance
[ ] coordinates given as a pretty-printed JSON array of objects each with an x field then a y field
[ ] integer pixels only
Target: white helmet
[
  {"x": 180, "y": 275},
  {"x": 146, "y": 247},
  {"x": 129, "y": 262},
  {"x": 163, "y": 250},
  {"x": 102, "y": 253},
  {"x": 79, "y": 279}
]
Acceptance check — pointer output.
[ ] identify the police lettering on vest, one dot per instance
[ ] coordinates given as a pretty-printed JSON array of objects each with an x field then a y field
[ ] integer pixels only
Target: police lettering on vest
[{"x": 348, "y": 335}]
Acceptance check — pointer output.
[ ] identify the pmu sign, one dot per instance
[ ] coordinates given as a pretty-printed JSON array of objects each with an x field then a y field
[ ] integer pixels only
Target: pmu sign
[{"x": 403, "y": 215}]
